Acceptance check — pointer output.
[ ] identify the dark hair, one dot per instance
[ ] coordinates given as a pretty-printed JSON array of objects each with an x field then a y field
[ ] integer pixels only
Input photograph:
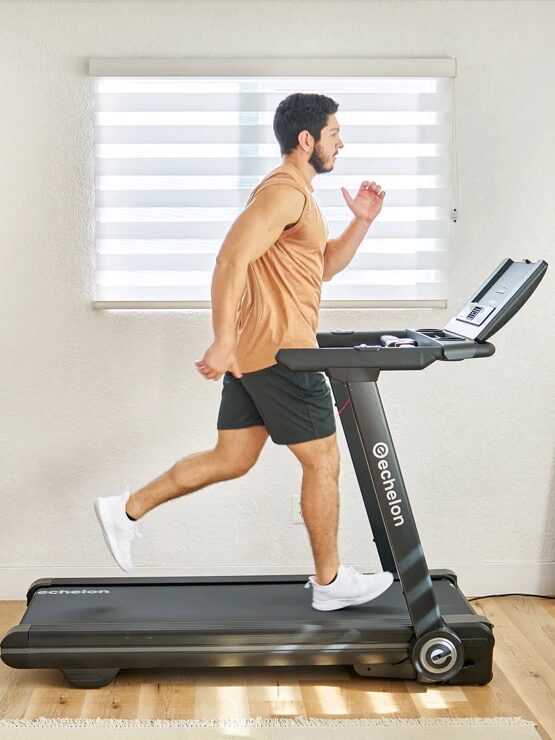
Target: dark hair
[{"x": 301, "y": 112}]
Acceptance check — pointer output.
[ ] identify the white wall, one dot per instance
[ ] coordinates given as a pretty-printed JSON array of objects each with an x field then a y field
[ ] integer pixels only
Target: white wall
[{"x": 93, "y": 401}]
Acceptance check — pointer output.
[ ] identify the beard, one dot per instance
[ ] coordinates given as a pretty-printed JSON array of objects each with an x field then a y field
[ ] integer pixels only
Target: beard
[{"x": 317, "y": 161}]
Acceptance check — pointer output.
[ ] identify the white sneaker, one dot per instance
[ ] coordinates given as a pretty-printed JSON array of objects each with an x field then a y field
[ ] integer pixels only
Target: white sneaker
[
  {"x": 118, "y": 530},
  {"x": 350, "y": 588}
]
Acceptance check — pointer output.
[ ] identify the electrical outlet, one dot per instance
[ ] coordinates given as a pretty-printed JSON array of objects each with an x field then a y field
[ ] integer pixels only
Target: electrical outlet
[{"x": 296, "y": 513}]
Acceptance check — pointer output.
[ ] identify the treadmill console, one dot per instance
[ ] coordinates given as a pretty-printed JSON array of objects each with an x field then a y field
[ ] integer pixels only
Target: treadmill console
[{"x": 496, "y": 301}]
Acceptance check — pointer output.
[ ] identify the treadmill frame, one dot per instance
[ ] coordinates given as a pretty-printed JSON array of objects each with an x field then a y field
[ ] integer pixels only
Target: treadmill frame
[
  {"x": 90, "y": 655},
  {"x": 373, "y": 454}
]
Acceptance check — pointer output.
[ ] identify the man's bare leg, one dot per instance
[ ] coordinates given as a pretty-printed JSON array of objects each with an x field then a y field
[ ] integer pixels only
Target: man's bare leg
[
  {"x": 320, "y": 502},
  {"x": 235, "y": 453}
]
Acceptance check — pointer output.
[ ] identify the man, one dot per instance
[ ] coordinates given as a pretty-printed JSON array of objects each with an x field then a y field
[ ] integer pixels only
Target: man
[{"x": 265, "y": 296}]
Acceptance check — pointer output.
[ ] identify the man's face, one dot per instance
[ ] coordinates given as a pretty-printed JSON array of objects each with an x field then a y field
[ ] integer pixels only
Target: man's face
[{"x": 325, "y": 151}]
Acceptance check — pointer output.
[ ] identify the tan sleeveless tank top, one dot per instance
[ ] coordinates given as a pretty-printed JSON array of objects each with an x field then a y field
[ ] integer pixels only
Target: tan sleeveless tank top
[{"x": 279, "y": 308}]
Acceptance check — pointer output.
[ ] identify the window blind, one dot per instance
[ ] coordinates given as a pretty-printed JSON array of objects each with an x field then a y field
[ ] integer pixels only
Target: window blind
[{"x": 176, "y": 156}]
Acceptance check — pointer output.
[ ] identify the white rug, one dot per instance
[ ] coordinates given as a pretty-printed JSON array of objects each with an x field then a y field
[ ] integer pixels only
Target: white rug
[{"x": 298, "y": 728}]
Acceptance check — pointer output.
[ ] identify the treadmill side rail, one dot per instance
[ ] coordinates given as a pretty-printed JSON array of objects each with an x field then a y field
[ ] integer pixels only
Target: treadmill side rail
[{"x": 91, "y": 657}]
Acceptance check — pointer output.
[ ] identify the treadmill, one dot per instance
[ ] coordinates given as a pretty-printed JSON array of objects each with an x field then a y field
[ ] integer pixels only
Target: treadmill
[{"x": 421, "y": 628}]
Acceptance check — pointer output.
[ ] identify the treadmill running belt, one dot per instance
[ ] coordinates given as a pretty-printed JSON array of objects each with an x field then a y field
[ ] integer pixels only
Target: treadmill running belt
[{"x": 223, "y": 602}]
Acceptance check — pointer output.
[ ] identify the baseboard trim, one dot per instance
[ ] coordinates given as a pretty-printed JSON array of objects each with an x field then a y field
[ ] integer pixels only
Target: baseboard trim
[{"x": 475, "y": 579}]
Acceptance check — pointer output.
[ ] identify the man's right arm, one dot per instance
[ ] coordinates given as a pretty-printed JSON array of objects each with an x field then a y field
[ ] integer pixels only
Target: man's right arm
[{"x": 253, "y": 233}]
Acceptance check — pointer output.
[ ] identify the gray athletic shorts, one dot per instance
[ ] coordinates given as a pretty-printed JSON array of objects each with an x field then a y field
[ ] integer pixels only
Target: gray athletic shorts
[{"x": 293, "y": 406}]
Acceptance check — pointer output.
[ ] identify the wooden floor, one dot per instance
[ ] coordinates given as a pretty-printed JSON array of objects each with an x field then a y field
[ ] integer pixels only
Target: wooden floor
[{"x": 523, "y": 684}]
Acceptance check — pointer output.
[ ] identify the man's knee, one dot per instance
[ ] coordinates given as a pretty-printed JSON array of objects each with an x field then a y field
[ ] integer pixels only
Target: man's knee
[
  {"x": 218, "y": 465},
  {"x": 236, "y": 454},
  {"x": 234, "y": 468}
]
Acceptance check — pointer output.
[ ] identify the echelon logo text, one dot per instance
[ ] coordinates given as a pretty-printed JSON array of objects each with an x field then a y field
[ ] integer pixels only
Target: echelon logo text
[
  {"x": 380, "y": 452},
  {"x": 74, "y": 591}
]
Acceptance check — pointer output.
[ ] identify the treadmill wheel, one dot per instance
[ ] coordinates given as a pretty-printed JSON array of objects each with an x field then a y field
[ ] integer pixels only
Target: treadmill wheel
[{"x": 438, "y": 656}]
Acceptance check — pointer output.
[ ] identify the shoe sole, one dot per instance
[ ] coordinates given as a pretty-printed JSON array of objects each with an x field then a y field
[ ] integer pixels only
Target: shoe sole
[
  {"x": 342, "y": 603},
  {"x": 106, "y": 535}
]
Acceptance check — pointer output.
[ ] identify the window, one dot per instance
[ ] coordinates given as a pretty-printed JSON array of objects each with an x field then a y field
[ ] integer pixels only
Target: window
[{"x": 179, "y": 145}]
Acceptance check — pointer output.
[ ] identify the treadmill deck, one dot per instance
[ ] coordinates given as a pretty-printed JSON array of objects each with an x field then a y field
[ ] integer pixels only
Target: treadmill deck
[
  {"x": 205, "y": 602},
  {"x": 91, "y": 629}
]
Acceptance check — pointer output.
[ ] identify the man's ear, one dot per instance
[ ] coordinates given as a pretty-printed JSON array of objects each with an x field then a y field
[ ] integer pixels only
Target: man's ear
[{"x": 306, "y": 140}]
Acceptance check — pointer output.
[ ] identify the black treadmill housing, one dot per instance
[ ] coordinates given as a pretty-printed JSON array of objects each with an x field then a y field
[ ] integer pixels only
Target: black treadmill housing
[{"x": 422, "y": 628}]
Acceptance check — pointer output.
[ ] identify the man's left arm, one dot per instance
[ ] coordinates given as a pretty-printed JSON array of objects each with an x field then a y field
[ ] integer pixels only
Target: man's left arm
[{"x": 366, "y": 206}]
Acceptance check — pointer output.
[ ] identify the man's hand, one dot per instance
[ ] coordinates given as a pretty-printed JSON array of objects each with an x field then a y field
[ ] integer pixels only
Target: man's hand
[
  {"x": 367, "y": 203},
  {"x": 218, "y": 359}
]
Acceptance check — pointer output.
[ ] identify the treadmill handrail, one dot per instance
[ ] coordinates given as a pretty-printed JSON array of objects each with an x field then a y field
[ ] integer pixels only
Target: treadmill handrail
[{"x": 381, "y": 358}]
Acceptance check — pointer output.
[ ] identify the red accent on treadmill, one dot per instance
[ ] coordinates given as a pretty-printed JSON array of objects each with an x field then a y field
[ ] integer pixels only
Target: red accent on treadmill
[{"x": 342, "y": 409}]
